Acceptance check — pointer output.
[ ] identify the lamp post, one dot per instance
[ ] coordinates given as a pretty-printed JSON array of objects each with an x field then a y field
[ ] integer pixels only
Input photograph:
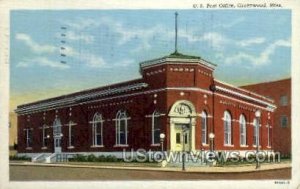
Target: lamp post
[
  {"x": 183, "y": 147},
  {"x": 257, "y": 115},
  {"x": 211, "y": 139},
  {"x": 162, "y": 138}
]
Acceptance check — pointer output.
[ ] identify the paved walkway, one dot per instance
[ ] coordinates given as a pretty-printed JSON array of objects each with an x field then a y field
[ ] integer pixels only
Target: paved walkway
[{"x": 227, "y": 169}]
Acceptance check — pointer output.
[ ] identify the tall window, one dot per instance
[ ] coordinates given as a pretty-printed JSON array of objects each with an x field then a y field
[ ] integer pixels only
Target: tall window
[
  {"x": 243, "y": 131},
  {"x": 28, "y": 138},
  {"x": 227, "y": 128},
  {"x": 44, "y": 135},
  {"x": 255, "y": 136},
  {"x": 121, "y": 128},
  {"x": 204, "y": 127},
  {"x": 71, "y": 140},
  {"x": 97, "y": 130},
  {"x": 155, "y": 127}
]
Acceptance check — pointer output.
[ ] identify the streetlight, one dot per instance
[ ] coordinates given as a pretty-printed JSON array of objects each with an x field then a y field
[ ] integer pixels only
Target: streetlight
[
  {"x": 211, "y": 139},
  {"x": 184, "y": 129},
  {"x": 162, "y": 138},
  {"x": 257, "y": 115}
]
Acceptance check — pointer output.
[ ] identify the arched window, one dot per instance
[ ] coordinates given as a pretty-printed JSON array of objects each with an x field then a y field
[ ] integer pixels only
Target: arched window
[
  {"x": 97, "y": 130},
  {"x": 204, "y": 127},
  {"x": 243, "y": 131},
  {"x": 121, "y": 128},
  {"x": 227, "y": 128},
  {"x": 255, "y": 132},
  {"x": 155, "y": 127}
]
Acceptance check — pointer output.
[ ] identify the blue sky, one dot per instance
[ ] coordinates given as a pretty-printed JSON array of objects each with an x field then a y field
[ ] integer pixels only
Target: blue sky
[{"x": 106, "y": 46}]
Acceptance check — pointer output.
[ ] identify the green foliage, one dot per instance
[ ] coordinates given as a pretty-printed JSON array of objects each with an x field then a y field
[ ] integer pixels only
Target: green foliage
[
  {"x": 93, "y": 158},
  {"x": 286, "y": 156},
  {"x": 20, "y": 158}
]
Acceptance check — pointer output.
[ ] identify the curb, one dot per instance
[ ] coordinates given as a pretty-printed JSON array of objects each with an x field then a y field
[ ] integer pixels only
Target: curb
[{"x": 146, "y": 168}]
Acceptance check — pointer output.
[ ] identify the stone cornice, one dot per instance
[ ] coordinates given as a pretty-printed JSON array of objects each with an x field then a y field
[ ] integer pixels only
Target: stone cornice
[
  {"x": 79, "y": 98},
  {"x": 166, "y": 60}
]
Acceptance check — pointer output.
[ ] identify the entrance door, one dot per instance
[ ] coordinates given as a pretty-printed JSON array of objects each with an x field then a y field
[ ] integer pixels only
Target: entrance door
[
  {"x": 182, "y": 133},
  {"x": 57, "y": 144}
]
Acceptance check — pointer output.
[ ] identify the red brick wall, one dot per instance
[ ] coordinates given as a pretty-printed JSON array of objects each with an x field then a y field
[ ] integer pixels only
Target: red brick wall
[
  {"x": 275, "y": 89},
  {"x": 235, "y": 116}
]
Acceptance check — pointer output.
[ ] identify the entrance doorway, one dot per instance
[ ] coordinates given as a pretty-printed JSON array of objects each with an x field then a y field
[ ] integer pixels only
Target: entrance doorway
[
  {"x": 57, "y": 145},
  {"x": 182, "y": 126},
  {"x": 183, "y": 141}
]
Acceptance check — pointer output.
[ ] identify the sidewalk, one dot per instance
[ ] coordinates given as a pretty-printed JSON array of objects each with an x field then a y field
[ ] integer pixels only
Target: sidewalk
[{"x": 228, "y": 169}]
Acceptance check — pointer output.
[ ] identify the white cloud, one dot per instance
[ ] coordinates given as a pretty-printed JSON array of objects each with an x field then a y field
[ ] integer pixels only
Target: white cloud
[
  {"x": 92, "y": 60},
  {"x": 262, "y": 59},
  {"x": 127, "y": 33},
  {"x": 216, "y": 40},
  {"x": 252, "y": 41},
  {"x": 69, "y": 51},
  {"x": 76, "y": 36},
  {"x": 88, "y": 58},
  {"x": 85, "y": 57},
  {"x": 126, "y": 62},
  {"x": 34, "y": 46},
  {"x": 144, "y": 35},
  {"x": 42, "y": 61},
  {"x": 81, "y": 23},
  {"x": 228, "y": 25}
]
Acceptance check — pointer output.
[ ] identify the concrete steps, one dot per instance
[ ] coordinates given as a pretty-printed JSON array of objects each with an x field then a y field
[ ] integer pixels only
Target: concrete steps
[{"x": 49, "y": 158}]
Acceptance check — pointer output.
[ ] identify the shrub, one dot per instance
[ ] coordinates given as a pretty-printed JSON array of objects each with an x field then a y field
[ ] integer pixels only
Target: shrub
[
  {"x": 79, "y": 158},
  {"x": 93, "y": 158},
  {"x": 111, "y": 158},
  {"x": 23, "y": 158}
]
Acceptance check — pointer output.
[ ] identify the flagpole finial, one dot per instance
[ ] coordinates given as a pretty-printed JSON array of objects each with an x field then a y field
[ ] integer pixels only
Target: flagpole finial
[{"x": 176, "y": 15}]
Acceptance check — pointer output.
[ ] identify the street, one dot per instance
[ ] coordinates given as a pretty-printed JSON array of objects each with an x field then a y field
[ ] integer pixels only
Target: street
[{"x": 27, "y": 173}]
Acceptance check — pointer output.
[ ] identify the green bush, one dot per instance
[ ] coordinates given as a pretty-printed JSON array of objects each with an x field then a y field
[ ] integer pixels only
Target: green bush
[
  {"x": 79, "y": 158},
  {"x": 111, "y": 158},
  {"x": 286, "y": 156},
  {"x": 93, "y": 158},
  {"x": 22, "y": 158}
]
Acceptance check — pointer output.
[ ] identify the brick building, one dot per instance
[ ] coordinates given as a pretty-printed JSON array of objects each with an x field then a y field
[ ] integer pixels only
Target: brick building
[
  {"x": 12, "y": 133},
  {"x": 280, "y": 91},
  {"x": 176, "y": 95}
]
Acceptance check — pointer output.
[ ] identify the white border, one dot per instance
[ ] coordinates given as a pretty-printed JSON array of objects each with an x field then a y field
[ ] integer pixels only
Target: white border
[{"x": 7, "y": 5}]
